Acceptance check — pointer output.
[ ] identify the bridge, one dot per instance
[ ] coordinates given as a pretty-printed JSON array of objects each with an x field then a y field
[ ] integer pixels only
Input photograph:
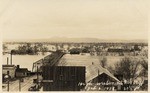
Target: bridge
[{"x": 50, "y": 60}]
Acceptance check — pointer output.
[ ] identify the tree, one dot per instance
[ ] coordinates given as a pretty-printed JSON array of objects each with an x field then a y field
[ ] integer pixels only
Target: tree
[
  {"x": 27, "y": 49},
  {"x": 75, "y": 51},
  {"x": 136, "y": 48},
  {"x": 85, "y": 50},
  {"x": 44, "y": 49},
  {"x": 145, "y": 53},
  {"x": 4, "y": 47},
  {"x": 129, "y": 68},
  {"x": 111, "y": 69},
  {"x": 35, "y": 48},
  {"x": 103, "y": 62},
  {"x": 144, "y": 74},
  {"x": 144, "y": 64},
  {"x": 22, "y": 49}
]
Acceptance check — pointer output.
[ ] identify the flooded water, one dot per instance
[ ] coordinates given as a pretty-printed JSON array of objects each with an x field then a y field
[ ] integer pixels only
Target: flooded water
[{"x": 25, "y": 61}]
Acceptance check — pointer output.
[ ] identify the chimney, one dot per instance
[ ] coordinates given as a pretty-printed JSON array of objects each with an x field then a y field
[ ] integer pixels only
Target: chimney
[
  {"x": 92, "y": 63},
  {"x": 18, "y": 66},
  {"x": 11, "y": 58}
]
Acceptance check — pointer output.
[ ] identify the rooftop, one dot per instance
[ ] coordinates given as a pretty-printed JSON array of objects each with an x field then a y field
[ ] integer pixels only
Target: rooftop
[
  {"x": 8, "y": 66},
  {"x": 92, "y": 71},
  {"x": 22, "y": 70}
]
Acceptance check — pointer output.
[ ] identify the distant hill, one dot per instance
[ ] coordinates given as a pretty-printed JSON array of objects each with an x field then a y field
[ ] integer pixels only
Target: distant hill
[{"x": 76, "y": 40}]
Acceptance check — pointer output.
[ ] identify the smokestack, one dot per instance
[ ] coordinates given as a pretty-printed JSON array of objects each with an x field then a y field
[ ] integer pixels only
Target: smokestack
[
  {"x": 11, "y": 58},
  {"x": 18, "y": 66},
  {"x": 7, "y": 60}
]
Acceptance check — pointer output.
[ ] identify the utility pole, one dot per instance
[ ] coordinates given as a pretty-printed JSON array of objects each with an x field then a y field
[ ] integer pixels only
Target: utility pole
[
  {"x": 19, "y": 84},
  {"x": 8, "y": 85},
  {"x": 8, "y": 81},
  {"x": 20, "y": 80},
  {"x": 37, "y": 75},
  {"x": 7, "y": 78},
  {"x": 98, "y": 76}
]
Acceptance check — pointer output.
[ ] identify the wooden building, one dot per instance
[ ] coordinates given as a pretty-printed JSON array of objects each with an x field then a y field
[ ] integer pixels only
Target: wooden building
[
  {"x": 10, "y": 68},
  {"x": 63, "y": 78},
  {"x": 99, "y": 78},
  {"x": 21, "y": 72}
]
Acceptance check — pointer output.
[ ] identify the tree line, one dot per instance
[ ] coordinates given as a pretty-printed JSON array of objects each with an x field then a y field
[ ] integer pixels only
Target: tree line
[{"x": 30, "y": 50}]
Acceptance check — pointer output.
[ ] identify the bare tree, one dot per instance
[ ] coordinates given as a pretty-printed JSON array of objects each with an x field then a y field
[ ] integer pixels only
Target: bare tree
[
  {"x": 144, "y": 64},
  {"x": 4, "y": 47},
  {"x": 111, "y": 69},
  {"x": 129, "y": 68},
  {"x": 145, "y": 53},
  {"x": 103, "y": 62}
]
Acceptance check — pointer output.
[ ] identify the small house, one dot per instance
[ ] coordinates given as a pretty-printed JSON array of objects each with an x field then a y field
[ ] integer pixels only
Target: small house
[
  {"x": 99, "y": 78},
  {"x": 21, "y": 72}
]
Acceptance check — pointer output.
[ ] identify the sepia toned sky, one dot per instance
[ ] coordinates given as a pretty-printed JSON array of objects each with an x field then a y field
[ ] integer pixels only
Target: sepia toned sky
[{"x": 104, "y": 19}]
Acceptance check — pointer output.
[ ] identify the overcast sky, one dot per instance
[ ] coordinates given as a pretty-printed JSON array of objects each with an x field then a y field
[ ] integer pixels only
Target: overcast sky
[{"x": 104, "y": 19}]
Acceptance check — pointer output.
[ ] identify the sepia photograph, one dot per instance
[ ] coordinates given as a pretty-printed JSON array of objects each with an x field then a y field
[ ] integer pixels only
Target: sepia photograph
[{"x": 74, "y": 45}]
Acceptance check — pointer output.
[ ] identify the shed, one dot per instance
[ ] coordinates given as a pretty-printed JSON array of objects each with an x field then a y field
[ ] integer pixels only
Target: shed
[{"x": 21, "y": 72}]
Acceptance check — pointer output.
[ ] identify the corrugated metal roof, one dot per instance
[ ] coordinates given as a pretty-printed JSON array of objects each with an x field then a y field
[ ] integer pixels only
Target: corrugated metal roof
[{"x": 92, "y": 71}]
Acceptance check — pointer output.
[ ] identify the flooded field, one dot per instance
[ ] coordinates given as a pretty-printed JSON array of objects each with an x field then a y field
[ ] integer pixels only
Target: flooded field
[{"x": 26, "y": 61}]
